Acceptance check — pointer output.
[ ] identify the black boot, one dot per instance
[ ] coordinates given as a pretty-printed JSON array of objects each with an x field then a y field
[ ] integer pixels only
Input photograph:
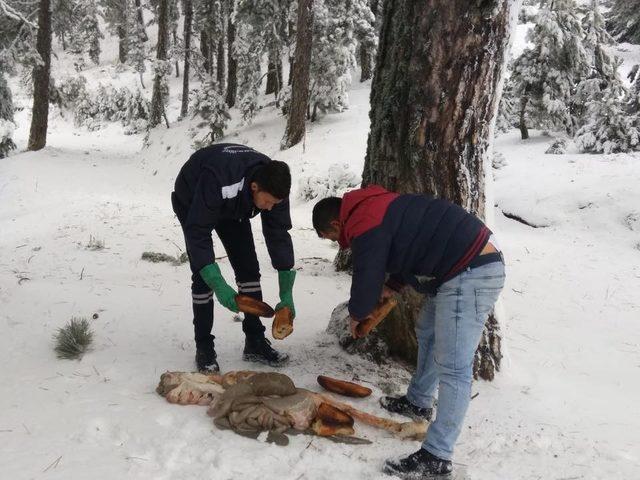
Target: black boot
[
  {"x": 258, "y": 349},
  {"x": 403, "y": 406},
  {"x": 418, "y": 465},
  {"x": 206, "y": 360}
]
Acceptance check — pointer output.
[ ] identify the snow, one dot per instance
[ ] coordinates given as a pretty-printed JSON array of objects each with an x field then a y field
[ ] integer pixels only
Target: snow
[{"x": 564, "y": 406}]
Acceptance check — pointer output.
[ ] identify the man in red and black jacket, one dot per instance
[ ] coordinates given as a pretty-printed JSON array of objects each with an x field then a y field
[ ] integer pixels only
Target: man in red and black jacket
[{"x": 441, "y": 250}]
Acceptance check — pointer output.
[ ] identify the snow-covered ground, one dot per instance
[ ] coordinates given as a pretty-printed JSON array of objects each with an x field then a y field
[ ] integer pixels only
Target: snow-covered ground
[{"x": 565, "y": 406}]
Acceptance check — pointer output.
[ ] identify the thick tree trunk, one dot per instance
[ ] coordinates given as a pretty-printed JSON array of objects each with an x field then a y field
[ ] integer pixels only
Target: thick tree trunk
[
  {"x": 232, "y": 73},
  {"x": 122, "y": 44},
  {"x": 433, "y": 99},
  {"x": 188, "y": 21},
  {"x": 221, "y": 69},
  {"x": 159, "y": 83},
  {"x": 300, "y": 82},
  {"x": 40, "y": 111}
]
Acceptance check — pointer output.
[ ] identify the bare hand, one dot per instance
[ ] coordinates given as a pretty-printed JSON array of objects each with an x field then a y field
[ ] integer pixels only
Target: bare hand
[
  {"x": 386, "y": 293},
  {"x": 353, "y": 327}
]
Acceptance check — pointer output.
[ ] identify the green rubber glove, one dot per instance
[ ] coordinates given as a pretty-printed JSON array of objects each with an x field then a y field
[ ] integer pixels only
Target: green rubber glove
[
  {"x": 224, "y": 293},
  {"x": 285, "y": 281}
]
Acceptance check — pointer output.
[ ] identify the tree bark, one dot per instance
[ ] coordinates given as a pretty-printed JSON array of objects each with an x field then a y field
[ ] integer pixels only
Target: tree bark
[
  {"x": 366, "y": 57},
  {"x": 145, "y": 37},
  {"x": 205, "y": 50},
  {"x": 188, "y": 21},
  {"x": 174, "y": 34},
  {"x": 221, "y": 69},
  {"x": 295, "y": 129},
  {"x": 274, "y": 74},
  {"x": 41, "y": 77},
  {"x": 433, "y": 101},
  {"x": 524, "y": 132},
  {"x": 232, "y": 73},
  {"x": 159, "y": 82},
  {"x": 122, "y": 44}
]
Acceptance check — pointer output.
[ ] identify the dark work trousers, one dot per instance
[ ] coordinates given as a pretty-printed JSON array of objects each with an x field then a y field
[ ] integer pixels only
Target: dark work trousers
[{"x": 237, "y": 239}]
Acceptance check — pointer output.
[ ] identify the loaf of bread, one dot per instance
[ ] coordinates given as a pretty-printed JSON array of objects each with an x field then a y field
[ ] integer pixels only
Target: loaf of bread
[
  {"x": 343, "y": 387},
  {"x": 282, "y": 323},
  {"x": 253, "y": 306}
]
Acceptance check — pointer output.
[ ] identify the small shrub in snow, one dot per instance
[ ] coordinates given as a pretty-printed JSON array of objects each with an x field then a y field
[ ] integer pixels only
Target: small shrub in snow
[
  {"x": 94, "y": 243},
  {"x": 498, "y": 160},
  {"x": 73, "y": 340},
  {"x": 211, "y": 107},
  {"x": 112, "y": 105},
  {"x": 338, "y": 180},
  {"x": 558, "y": 147},
  {"x": 157, "y": 257}
]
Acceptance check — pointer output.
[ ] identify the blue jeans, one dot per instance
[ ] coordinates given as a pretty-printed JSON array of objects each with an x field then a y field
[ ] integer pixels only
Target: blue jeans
[{"x": 448, "y": 331}]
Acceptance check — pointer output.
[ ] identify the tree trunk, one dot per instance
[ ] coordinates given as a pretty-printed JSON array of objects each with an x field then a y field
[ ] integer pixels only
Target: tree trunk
[
  {"x": 366, "y": 56},
  {"x": 221, "y": 67},
  {"x": 145, "y": 37},
  {"x": 433, "y": 102},
  {"x": 300, "y": 83},
  {"x": 175, "y": 42},
  {"x": 188, "y": 20},
  {"x": 122, "y": 44},
  {"x": 40, "y": 111},
  {"x": 232, "y": 73},
  {"x": 205, "y": 50},
  {"x": 524, "y": 133},
  {"x": 274, "y": 73},
  {"x": 158, "y": 97}
]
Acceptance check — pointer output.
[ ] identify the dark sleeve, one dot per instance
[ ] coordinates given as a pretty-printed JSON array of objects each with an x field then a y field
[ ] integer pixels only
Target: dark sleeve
[
  {"x": 201, "y": 220},
  {"x": 275, "y": 228},
  {"x": 369, "y": 253}
]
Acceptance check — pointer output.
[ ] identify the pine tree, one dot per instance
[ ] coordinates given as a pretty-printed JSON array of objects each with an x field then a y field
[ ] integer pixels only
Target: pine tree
[
  {"x": 6, "y": 118},
  {"x": 544, "y": 77},
  {"x": 84, "y": 34},
  {"x": 611, "y": 128},
  {"x": 41, "y": 78},
  {"x": 211, "y": 107},
  {"x": 136, "y": 38},
  {"x": 623, "y": 20},
  {"x": 162, "y": 68},
  {"x": 431, "y": 118},
  {"x": 633, "y": 97},
  {"x": 365, "y": 30},
  {"x": 232, "y": 62},
  {"x": 63, "y": 17},
  {"x": 115, "y": 14},
  {"x": 187, "y": 8}
]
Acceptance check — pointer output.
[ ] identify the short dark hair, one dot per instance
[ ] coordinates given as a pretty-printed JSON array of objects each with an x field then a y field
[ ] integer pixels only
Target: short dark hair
[
  {"x": 274, "y": 178},
  {"x": 324, "y": 212}
]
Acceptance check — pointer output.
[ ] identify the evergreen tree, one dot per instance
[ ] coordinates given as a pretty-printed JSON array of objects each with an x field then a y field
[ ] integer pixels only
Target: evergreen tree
[
  {"x": 136, "y": 38},
  {"x": 6, "y": 118},
  {"x": 85, "y": 33},
  {"x": 116, "y": 15},
  {"x": 41, "y": 79},
  {"x": 611, "y": 128},
  {"x": 162, "y": 67},
  {"x": 211, "y": 107},
  {"x": 366, "y": 34},
  {"x": 633, "y": 97},
  {"x": 623, "y": 20},
  {"x": 544, "y": 77},
  {"x": 63, "y": 19},
  {"x": 333, "y": 55}
]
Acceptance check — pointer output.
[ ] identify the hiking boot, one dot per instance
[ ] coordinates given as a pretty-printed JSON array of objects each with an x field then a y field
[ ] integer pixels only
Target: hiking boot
[
  {"x": 403, "y": 406},
  {"x": 206, "y": 359},
  {"x": 420, "y": 464},
  {"x": 258, "y": 349}
]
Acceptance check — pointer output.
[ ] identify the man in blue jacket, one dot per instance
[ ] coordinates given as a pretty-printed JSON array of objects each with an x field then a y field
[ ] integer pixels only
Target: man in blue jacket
[
  {"x": 221, "y": 187},
  {"x": 440, "y": 250}
]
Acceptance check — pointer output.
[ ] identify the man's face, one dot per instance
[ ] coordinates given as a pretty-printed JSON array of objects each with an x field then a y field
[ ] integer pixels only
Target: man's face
[
  {"x": 333, "y": 233},
  {"x": 263, "y": 200}
]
